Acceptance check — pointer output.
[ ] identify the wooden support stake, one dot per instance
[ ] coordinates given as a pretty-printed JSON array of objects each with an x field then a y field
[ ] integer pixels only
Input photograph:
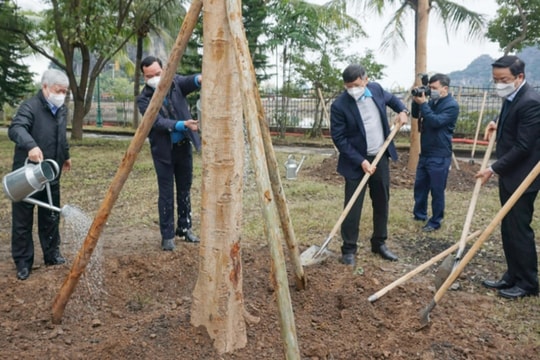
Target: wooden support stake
[
  {"x": 479, "y": 122},
  {"x": 259, "y": 153},
  {"x": 84, "y": 254}
]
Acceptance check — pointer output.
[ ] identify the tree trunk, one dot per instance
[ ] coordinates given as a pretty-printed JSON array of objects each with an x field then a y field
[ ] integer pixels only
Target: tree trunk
[
  {"x": 78, "y": 116},
  {"x": 420, "y": 67},
  {"x": 218, "y": 300}
]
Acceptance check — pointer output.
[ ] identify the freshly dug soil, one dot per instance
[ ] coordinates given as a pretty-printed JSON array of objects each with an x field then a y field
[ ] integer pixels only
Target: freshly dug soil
[{"x": 134, "y": 303}]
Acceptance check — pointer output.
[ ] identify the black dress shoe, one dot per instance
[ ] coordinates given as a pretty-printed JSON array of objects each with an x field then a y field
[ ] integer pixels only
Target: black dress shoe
[
  {"x": 497, "y": 285},
  {"x": 23, "y": 273},
  {"x": 348, "y": 259},
  {"x": 516, "y": 292},
  {"x": 384, "y": 252},
  {"x": 429, "y": 228},
  {"x": 189, "y": 236},
  {"x": 167, "y": 244},
  {"x": 56, "y": 260}
]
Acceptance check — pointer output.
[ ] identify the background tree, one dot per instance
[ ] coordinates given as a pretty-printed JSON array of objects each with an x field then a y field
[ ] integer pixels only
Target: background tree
[
  {"x": 15, "y": 78},
  {"x": 298, "y": 27},
  {"x": 87, "y": 33},
  {"x": 153, "y": 20},
  {"x": 517, "y": 25},
  {"x": 450, "y": 15}
]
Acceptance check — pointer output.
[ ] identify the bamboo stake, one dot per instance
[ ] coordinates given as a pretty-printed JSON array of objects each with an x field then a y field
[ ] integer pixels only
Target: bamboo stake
[
  {"x": 478, "y": 125},
  {"x": 84, "y": 254},
  {"x": 327, "y": 116},
  {"x": 250, "y": 109},
  {"x": 275, "y": 180}
]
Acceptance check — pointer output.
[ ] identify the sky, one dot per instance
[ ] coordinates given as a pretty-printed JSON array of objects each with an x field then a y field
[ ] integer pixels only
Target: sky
[{"x": 442, "y": 56}]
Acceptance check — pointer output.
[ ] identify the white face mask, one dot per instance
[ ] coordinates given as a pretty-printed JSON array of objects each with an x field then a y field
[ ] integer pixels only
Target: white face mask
[
  {"x": 435, "y": 95},
  {"x": 153, "y": 82},
  {"x": 503, "y": 90},
  {"x": 56, "y": 99},
  {"x": 356, "y": 92}
]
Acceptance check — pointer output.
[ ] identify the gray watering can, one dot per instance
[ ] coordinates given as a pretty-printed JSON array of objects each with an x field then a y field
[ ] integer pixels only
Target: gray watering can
[
  {"x": 292, "y": 167},
  {"x": 22, "y": 183}
]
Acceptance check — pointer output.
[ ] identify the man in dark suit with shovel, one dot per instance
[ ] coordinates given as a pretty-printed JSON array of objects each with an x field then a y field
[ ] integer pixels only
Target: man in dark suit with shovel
[
  {"x": 359, "y": 127},
  {"x": 518, "y": 150}
]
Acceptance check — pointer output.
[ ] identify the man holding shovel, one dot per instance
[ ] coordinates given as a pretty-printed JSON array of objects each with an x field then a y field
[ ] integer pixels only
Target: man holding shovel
[
  {"x": 359, "y": 127},
  {"x": 518, "y": 151}
]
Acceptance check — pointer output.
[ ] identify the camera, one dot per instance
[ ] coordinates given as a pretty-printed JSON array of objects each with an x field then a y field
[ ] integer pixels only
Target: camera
[{"x": 424, "y": 89}]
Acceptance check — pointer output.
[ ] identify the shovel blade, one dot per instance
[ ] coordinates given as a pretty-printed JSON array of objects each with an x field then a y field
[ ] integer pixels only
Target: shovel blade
[
  {"x": 308, "y": 257},
  {"x": 444, "y": 271}
]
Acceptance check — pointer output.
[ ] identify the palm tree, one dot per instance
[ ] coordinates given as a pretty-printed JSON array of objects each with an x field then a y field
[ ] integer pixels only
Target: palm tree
[{"x": 451, "y": 15}]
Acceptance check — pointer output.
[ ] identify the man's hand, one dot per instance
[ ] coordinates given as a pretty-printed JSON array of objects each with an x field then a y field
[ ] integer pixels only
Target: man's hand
[
  {"x": 67, "y": 165},
  {"x": 192, "y": 124},
  {"x": 484, "y": 175},
  {"x": 368, "y": 168},
  {"x": 402, "y": 118},
  {"x": 420, "y": 99},
  {"x": 35, "y": 155}
]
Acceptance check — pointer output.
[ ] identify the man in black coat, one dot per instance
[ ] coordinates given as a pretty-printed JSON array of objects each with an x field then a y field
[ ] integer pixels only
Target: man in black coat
[
  {"x": 518, "y": 151},
  {"x": 171, "y": 139},
  {"x": 359, "y": 127},
  {"x": 39, "y": 132}
]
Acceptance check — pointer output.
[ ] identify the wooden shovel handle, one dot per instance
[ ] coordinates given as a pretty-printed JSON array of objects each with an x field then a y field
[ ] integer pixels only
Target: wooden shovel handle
[
  {"x": 474, "y": 199},
  {"x": 359, "y": 188},
  {"x": 419, "y": 269}
]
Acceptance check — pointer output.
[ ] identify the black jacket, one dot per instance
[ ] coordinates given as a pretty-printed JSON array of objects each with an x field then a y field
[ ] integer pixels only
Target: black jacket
[
  {"x": 160, "y": 134},
  {"x": 35, "y": 125},
  {"x": 518, "y": 141}
]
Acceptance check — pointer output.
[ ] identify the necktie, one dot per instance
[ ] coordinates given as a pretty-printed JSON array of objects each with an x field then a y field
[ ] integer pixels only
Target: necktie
[{"x": 502, "y": 117}]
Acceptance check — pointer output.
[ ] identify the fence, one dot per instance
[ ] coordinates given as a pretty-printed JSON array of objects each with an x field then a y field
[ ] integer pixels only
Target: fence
[{"x": 302, "y": 114}]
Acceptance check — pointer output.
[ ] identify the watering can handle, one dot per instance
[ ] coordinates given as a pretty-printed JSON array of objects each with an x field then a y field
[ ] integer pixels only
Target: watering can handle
[{"x": 55, "y": 167}]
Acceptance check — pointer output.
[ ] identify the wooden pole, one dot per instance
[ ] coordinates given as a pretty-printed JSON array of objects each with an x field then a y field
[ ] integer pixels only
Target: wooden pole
[
  {"x": 419, "y": 269},
  {"x": 479, "y": 122},
  {"x": 84, "y": 254},
  {"x": 277, "y": 188},
  {"x": 271, "y": 215}
]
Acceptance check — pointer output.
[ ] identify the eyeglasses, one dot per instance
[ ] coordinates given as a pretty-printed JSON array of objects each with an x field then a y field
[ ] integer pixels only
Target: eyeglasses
[{"x": 504, "y": 80}]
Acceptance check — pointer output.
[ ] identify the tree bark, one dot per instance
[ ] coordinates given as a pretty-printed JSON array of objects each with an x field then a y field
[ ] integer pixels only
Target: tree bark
[
  {"x": 218, "y": 301},
  {"x": 420, "y": 66}
]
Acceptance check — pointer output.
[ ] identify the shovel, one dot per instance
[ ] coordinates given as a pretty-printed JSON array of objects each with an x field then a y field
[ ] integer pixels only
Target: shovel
[
  {"x": 447, "y": 266},
  {"x": 424, "y": 314},
  {"x": 314, "y": 253}
]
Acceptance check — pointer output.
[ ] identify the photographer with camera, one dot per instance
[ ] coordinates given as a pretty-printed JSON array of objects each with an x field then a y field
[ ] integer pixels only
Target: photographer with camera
[{"x": 436, "y": 122}]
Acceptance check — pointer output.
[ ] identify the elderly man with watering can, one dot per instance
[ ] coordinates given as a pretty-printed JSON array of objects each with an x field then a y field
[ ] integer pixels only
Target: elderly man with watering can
[{"x": 39, "y": 133}]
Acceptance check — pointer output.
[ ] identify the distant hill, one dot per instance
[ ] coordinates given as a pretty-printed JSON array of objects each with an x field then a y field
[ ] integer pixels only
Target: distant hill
[{"x": 478, "y": 72}]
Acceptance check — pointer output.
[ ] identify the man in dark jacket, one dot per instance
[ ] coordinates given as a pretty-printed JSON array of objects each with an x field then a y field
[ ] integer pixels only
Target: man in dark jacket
[
  {"x": 518, "y": 151},
  {"x": 437, "y": 121},
  {"x": 171, "y": 139},
  {"x": 39, "y": 132},
  {"x": 359, "y": 127}
]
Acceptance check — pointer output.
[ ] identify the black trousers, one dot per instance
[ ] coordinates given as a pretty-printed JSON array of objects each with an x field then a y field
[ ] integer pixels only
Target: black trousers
[
  {"x": 22, "y": 222},
  {"x": 180, "y": 172},
  {"x": 518, "y": 241},
  {"x": 379, "y": 192}
]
